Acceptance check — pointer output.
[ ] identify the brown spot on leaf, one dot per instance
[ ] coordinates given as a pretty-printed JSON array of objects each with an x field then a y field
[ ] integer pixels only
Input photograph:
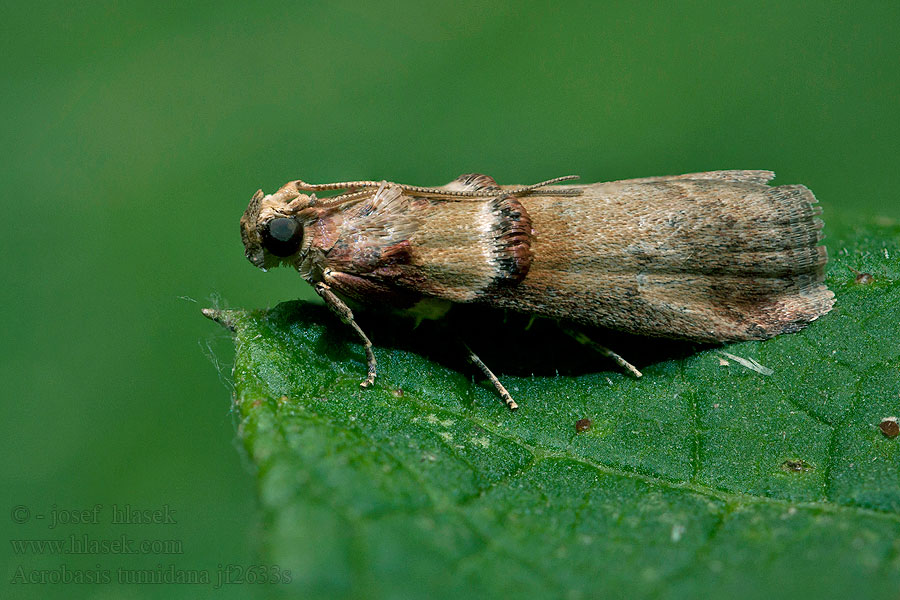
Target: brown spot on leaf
[
  {"x": 889, "y": 427},
  {"x": 862, "y": 278},
  {"x": 796, "y": 465},
  {"x": 582, "y": 425}
]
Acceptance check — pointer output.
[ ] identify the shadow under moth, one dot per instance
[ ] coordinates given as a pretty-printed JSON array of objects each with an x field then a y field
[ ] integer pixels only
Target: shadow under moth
[{"x": 708, "y": 257}]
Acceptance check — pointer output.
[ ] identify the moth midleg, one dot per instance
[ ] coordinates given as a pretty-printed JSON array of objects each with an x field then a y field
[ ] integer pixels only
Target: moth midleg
[
  {"x": 603, "y": 351},
  {"x": 346, "y": 315},
  {"x": 473, "y": 358}
]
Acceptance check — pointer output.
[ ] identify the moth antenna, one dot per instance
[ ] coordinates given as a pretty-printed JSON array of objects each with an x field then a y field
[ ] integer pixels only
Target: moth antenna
[
  {"x": 339, "y": 185},
  {"x": 493, "y": 193},
  {"x": 302, "y": 186},
  {"x": 552, "y": 192},
  {"x": 344, "y": 198},
  {"x": 535, "y": 186}
]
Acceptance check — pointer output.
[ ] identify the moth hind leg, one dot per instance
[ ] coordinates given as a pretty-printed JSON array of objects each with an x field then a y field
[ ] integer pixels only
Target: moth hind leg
[
  {"x": 501, "y": 390},
  {"x": 603, "y": 351}
]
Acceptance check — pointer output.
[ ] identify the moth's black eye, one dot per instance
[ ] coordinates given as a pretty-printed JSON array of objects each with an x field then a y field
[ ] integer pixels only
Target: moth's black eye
[{"x": 282, "y": 236}]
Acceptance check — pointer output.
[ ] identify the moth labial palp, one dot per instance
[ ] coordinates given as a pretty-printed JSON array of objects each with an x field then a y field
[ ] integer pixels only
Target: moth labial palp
[{"x": 711, "y": 257}]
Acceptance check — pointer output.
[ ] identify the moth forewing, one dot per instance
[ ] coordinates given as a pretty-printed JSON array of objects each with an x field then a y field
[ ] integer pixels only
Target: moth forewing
[
  {"x": 713, "y": 257},
  {"x": 703, "y": 259}
]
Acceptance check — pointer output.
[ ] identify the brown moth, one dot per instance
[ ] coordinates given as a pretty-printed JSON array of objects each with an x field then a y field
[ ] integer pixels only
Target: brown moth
[{"x": 711, "y": 257}]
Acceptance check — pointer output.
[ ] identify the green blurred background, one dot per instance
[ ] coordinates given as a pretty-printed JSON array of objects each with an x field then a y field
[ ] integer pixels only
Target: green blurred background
[{"x": 135, "y": 133}]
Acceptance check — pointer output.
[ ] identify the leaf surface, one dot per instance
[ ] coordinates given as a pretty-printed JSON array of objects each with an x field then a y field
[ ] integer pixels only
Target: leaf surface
[{"x": 702, "y": 479}]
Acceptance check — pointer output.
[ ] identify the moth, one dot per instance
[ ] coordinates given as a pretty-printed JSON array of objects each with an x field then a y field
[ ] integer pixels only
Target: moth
[{"x": 719, "y": 256}]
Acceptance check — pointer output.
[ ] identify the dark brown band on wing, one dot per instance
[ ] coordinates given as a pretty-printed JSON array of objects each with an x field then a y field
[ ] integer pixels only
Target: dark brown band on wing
[{"x": 512, "y": 241}]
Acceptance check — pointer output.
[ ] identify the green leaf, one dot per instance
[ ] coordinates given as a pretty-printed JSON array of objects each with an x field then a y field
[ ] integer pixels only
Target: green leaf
[{"x": 702, "y": 479}]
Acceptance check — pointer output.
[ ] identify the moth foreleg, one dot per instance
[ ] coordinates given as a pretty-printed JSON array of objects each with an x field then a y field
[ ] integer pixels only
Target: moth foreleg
[
  {"x": 346, "y": 315},
  {"x": 473, "y": 358},
  {"x": 603, "y": 351}
]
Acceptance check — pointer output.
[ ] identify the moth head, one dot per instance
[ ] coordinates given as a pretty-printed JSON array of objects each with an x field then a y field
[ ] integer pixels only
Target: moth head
[{"x": 272, "y": 228}]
